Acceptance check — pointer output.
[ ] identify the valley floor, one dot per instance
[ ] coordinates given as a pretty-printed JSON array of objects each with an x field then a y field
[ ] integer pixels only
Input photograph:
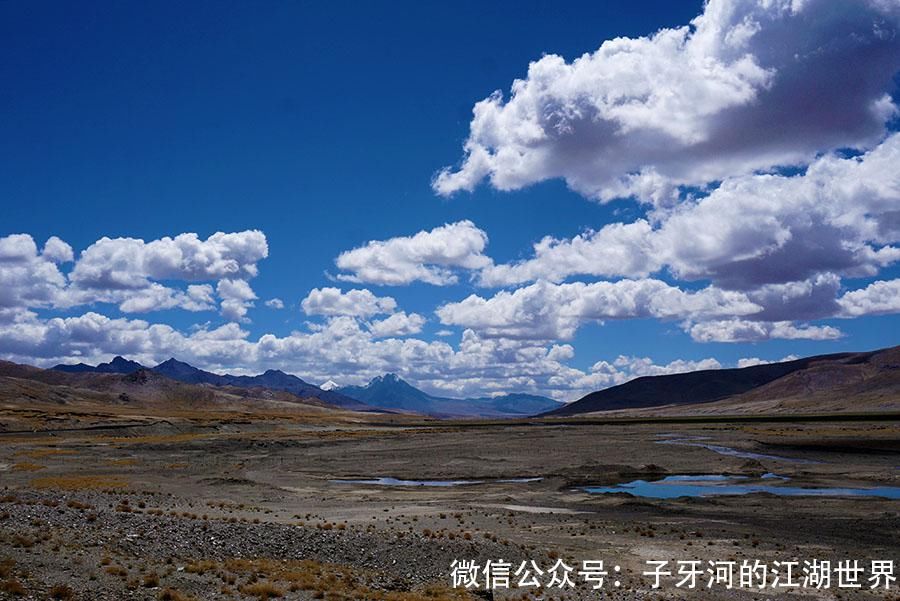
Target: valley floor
[{"x": 214, "y": 508}]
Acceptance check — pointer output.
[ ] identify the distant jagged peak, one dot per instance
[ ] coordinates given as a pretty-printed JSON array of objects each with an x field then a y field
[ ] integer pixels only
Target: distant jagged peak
[
  {"x": 121, "y": 364},
  {"x": 173, "y": 362},
  {"x": 389, "y": 378}
]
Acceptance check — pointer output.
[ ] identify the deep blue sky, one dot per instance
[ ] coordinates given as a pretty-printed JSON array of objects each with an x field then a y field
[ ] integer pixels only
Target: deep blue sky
[{"x": 320, "y": 124}]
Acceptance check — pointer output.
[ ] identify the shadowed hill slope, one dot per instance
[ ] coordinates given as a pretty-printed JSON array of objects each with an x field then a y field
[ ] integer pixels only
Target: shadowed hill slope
[{"x": 843, "y": 375}]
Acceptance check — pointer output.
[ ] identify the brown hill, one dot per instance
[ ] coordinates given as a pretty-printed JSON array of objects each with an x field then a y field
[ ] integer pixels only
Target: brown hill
[
  {"x": 864, "y": 382},
  {"x": 845, "y": 382}
]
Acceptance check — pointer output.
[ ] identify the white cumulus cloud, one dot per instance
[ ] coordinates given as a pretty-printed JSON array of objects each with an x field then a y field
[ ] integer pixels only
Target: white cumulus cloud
[
  {"x": 130, "y": 272},
  {"x": 748, "y": 85},
  {"x": 742, "y": 330},
  {"x": 357, "y": 303},
  {"x": 839, "y": 216},
  {"x": 877, "y": 298},
  {"x": 275, "y": 303},
  {"x": 29, "y": 278},
  {"x": 237, "y": 297},
  {"x": 117, "y": 263},
  {"x": 398, "y": 324},
  {"x": 546, "y": 311},
  {"x": 342, "y": 345},
  {"x": 428, "y": 256}
]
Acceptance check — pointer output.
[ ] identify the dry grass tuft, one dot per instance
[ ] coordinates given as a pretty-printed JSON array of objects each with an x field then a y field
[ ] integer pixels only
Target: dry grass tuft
[
  {"x": 262, "y": 591},
  {"x": 62, "y": 592},
  {"x": 6, "y": 567},
  {"x": 20, "y": 541},
  {"x": 13, "y": 587},
  {"x": 115, "y": 570},
  {"x": 200, "y": 567},
  {"x": 170, "y": 594}
]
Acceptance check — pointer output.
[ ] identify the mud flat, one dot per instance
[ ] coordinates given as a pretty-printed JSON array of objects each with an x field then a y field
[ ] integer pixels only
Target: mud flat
[{"x": 197, "y": 508}]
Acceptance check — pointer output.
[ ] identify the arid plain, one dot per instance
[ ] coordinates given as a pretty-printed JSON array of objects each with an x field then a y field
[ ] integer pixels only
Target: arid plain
[{"x": 116, "y": 503}]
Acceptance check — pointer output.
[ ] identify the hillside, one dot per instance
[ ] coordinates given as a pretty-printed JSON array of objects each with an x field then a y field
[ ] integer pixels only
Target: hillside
[
  {"x": 867, "y": 381},
  {"x": 863, "y": 382}
]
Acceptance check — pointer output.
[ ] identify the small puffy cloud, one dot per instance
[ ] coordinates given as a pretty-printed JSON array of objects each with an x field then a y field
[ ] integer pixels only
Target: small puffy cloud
[
  {"x": 28, "y": 278},
  {"x": 753, "y": 361},
  {"x": 561, "y": 352},
  {"x": 356, "y": 303},
  {"x": 275, "y": 303},
  {"x": 741, "y": 330},
  {"x": 156, "y": 297},
  {"x": 235, "y": 290},
  {"x": 17, "y": 248},
  {"x": 199, "y": 297},
  {"x": 361, "y": 304},
  {"x": 617, "y": 249},
  {"x": 546, "y": 311},
  {"x": 234, "y": 310},
  {"x": 727, "y": 94},
  {"x": 237, "y": 297},
  {"x": 428, "y": 256},
  {"x": 398, "y": 324},
  {"x": 57, "y": 251}
]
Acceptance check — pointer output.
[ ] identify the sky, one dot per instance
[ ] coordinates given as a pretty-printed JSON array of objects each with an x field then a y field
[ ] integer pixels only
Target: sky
[{"x": 480, "y": 197}]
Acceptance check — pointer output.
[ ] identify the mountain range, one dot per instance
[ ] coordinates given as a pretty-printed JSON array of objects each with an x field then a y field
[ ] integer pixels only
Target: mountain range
[
  {"x": 146, "y": 389},
  {"x": 392, "y": 392},
  {"x": 180, "y": 371},
  {"x": 388, "y": 392},
  {"x": 842, "y": 382}
]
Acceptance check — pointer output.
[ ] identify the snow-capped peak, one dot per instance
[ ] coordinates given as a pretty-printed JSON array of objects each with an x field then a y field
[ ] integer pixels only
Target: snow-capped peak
[{"x": 329, "y": 385}]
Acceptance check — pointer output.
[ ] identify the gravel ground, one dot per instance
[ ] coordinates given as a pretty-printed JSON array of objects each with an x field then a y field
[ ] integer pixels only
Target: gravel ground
[{"x": 175, "y": 512}]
